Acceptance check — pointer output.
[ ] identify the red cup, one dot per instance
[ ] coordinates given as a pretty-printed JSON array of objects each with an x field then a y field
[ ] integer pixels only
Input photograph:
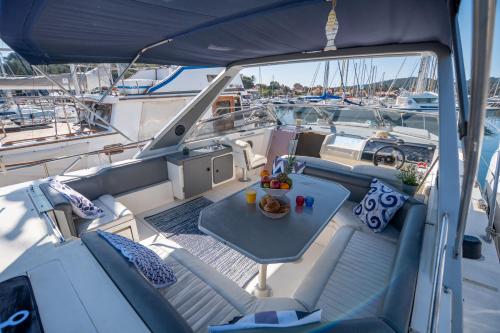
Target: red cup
[{"x": 299, "y": 200}]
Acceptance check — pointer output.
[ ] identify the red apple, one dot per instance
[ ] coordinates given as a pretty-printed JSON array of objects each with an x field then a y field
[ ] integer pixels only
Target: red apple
[{"x": 275, "y": 184}]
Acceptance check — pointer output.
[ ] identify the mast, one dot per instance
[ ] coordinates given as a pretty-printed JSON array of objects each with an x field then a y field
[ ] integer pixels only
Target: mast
[
  {"x": 423, "y": 73},
  {"x": 74, "y": 79},
  {"x": 326, "y": 78}
]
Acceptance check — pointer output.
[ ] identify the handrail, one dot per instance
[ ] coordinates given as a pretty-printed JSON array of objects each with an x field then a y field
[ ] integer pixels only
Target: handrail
[
  {"x": 483, "y": 31},
  {"x": 490, "y": 232},
  {"x": 437, "y": 278},
  {"x": 22, "y": 165}
]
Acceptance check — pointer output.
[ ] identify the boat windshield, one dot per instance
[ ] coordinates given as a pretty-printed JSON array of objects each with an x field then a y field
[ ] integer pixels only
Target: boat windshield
[{"x": 224, "y": 121}]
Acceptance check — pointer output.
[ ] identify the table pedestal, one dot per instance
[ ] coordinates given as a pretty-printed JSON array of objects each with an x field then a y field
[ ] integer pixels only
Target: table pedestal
[{"x": 262, "y": 289}]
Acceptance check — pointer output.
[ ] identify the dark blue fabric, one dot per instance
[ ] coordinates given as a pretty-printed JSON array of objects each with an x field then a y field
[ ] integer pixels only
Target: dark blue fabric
[{"x": 203, "y": 32}]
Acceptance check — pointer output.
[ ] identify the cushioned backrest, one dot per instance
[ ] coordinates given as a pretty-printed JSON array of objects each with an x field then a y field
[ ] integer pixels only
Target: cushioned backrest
[
  {"x": 122, "y": 178},
  {"x": 358, "y": 185},
  {"x": 60, "y": 204},
  {"x": 156, "y": 312},
  {"x": 398, "y": 301}
]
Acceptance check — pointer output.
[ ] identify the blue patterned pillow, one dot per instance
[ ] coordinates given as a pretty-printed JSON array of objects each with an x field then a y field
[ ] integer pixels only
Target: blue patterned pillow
[
  {"x": 280, "y": 164},
  {"x": 81, "y": 206},
  {"x": 147, "y": 262},
  {"x": 379, "y": 205}
]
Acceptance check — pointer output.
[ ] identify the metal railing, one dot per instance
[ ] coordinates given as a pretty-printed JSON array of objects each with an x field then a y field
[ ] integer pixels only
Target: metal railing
[
  {"x": 490, "y": 231},
  {"x": 74, "y": 158},
  {"x": 438, "y": 275}
]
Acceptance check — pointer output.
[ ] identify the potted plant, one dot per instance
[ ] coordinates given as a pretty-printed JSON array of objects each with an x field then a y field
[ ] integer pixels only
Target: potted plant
[{"x": 411, "y": 178}]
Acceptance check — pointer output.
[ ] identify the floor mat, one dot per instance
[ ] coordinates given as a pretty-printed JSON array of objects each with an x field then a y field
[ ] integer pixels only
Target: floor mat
[{"x": 180, "y": 224}]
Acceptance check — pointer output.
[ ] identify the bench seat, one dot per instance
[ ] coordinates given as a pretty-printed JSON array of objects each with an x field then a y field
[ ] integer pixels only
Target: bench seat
[
  {"x": 115, "y": 213},
  {"x": 348, "y": 281},
  {"x": 203, "y": 296}
]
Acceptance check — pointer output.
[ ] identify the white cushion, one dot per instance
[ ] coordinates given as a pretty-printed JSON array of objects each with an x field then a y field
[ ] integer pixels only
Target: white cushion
[
  {"x": 114, "y": 213},
  {"x": 349, "y": 279},
  {"x": 258, "y": 161},
  {"x": 379, "y": 205},
  {"x": 80, "y": 205},
  {"x": 346, "y": 217},
  {"x": 205, "y": 297}
]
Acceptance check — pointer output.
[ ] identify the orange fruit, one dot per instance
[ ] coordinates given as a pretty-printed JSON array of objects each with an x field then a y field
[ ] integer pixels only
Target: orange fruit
[
  {"x": 264, "y": 173},
  {"x": 284, "y": 186}
]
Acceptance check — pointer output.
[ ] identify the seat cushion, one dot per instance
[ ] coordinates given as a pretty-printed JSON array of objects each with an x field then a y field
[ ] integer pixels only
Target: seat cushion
[
  {"x": 205, "y": 297},
  {"x": 258, "y": 161},
  {"x": 201, "y": 295},
  {"x": 346, "y": 217},
  {"x": 350, "y": 278},
  {"x": 115, "y": 213}
]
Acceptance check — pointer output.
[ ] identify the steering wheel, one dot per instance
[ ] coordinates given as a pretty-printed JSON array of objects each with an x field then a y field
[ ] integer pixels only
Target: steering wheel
[{"x": 390, "y": 156}]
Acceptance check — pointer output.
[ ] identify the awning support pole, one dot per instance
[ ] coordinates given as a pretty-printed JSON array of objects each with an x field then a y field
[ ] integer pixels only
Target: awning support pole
[
  {"x": 137, "y": 56},
  {"x": 463, "y": 99},
  {"x": 483, "y": 27},
  {"x": 83, "y": 105}
]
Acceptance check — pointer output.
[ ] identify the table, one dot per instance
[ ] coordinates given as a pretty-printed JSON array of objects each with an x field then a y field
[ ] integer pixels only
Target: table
[{"x": 244, "y": 228}]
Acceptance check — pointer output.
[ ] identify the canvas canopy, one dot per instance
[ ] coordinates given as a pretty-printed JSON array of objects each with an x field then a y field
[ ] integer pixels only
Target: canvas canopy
[{"x": 212, "y": 33}]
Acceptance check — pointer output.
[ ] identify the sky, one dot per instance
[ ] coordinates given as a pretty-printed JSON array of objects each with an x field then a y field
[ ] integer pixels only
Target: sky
[{"x": 303, "y": 73}]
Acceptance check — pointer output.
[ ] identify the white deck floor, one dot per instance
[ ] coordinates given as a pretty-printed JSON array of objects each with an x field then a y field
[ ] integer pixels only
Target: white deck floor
[{"x": 481, "y": 278}]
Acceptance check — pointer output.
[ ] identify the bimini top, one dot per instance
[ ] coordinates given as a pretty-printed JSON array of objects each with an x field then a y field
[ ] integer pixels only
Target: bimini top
[{"x": 218, "y": 33}]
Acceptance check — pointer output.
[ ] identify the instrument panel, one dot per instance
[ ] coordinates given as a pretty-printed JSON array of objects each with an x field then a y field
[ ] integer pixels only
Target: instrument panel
[{"x": 414, "y": 152}]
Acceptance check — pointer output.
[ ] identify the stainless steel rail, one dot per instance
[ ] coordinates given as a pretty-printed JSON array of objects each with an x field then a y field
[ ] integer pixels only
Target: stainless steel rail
[
  {"x": 438, "y": 275},
  {"x": 44, "y": 162},
  {"x": 490, "y": 232},
  {"x": 483, "y": 29}
]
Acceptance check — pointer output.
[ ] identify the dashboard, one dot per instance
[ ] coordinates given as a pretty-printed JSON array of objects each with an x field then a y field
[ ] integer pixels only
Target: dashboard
[{"x": 414, "y": 152}]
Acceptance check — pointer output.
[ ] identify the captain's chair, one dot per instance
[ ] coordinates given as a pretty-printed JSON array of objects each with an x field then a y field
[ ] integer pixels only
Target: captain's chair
[{"x": 244, "y": 156}]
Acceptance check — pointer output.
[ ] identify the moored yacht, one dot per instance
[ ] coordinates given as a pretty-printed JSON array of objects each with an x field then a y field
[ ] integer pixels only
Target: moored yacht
[{"x": 286, "y": 218}]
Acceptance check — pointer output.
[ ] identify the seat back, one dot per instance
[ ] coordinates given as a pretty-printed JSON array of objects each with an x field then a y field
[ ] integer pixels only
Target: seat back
[
  {"x": 239, "y": 147},
  {"x": 398, "y": 302},
  {"x": 156, "y": 312}
]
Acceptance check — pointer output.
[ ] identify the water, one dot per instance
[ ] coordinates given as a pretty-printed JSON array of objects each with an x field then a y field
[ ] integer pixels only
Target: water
[{"x": 490, "y": 144}]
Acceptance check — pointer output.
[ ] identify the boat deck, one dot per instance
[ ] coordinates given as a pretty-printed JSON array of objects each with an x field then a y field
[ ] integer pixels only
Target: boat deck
[{"x": 283, "y": 279}]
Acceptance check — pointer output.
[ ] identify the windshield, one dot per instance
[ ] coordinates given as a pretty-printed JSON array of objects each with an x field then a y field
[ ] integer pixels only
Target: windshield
[{"x": 358, "y": 116}]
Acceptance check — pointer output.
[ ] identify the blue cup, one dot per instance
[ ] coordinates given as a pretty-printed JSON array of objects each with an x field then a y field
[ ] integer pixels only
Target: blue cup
[{"x": 309, "y": 201}]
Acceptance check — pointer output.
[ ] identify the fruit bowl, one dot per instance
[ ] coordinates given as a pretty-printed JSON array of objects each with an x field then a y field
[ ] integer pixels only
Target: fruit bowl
[
  {"x": 282, "y": 212},
  {"x": 276, "y": 185},
  {"x": 275, "y": 192}
]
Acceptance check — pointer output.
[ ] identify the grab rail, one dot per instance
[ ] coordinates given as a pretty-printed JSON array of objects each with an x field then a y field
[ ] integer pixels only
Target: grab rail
[
  {"x": 490, "y": 232},
  {"x": 437, "y": 278},
  {"x": 43, "y": 162}
]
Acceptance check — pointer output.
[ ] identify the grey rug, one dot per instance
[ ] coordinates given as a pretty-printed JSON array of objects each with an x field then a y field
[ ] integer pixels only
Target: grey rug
[{"x": 180, "y": 224}]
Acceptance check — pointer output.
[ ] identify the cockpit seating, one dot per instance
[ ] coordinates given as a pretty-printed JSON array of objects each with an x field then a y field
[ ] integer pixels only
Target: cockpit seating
[{"x": 244, "y": 157}]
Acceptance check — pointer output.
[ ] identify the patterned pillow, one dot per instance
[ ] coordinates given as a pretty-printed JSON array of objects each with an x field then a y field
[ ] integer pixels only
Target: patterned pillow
[
  {"x": 379, "y": 205},
  {"x": 81, "y": 206},
  {"x": 280, "y": 165},
  {"x": 147, "y": 262}
]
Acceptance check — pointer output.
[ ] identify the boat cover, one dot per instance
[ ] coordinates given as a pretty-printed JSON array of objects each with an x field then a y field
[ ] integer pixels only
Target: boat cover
[{"x": 216, "y": 33}]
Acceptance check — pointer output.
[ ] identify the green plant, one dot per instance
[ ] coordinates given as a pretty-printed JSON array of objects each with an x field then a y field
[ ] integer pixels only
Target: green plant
[
  {"x": 409, "y": 175},
  {"x": 290, "y": 163}
]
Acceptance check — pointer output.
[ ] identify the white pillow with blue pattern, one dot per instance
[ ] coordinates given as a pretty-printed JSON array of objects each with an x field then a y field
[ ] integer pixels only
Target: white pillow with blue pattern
[
  {"x": 145, "y": 260},
  {"x": 80, "y": 205},
  {"x": 379, "y": 205}
]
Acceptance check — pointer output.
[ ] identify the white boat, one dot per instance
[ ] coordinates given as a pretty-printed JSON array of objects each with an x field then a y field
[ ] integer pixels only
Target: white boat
[
  {"x": 426, "y": 101},
  {"x": 137, "y": 116},
  {"x": 324, "y": 268}
]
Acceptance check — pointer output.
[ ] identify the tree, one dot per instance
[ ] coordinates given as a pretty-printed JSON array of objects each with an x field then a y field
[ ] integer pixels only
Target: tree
[
  {"x": 15, "y": 66},
  {"x": 248, "y": 81}
]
